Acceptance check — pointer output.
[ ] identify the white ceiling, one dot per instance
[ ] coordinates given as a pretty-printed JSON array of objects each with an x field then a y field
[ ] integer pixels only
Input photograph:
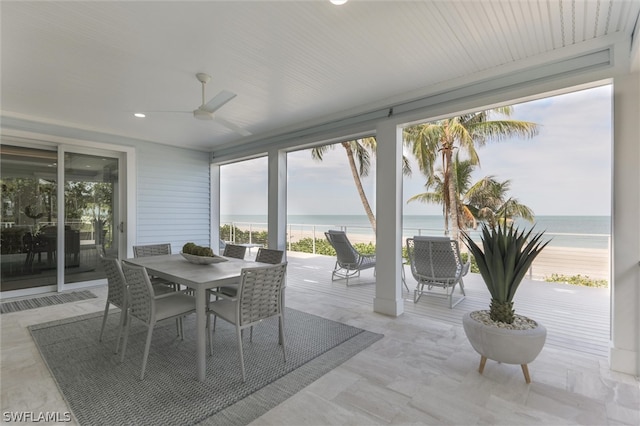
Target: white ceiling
[{"x": 91, "y": 65}]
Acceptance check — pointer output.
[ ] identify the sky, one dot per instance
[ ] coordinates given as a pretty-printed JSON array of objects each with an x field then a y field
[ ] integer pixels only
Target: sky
[{"x": 564, "y": 170}]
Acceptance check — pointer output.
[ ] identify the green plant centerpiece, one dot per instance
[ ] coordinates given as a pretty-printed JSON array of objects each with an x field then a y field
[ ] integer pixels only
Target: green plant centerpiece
[
  {"x": 196, "y": 250},
  {"x": 200, "y": 255},
  {"x": 503, "y": 259}
]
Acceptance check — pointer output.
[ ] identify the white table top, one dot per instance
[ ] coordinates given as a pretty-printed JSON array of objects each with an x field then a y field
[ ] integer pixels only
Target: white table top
[{"x": 175, "y": 268}]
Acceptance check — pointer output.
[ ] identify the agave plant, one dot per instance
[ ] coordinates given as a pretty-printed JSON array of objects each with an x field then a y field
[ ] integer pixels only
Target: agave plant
[{"x": 505, "y": 256}]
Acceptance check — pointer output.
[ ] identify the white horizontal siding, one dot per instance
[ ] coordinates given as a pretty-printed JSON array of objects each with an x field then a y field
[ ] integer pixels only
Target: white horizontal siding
[{"x": 173, "y": 196}]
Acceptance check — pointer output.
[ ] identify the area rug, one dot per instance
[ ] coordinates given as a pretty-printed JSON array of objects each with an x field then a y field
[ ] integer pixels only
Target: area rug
[
  {"x": 39, "y": 302},
  {"x": 101, "y": 390}
]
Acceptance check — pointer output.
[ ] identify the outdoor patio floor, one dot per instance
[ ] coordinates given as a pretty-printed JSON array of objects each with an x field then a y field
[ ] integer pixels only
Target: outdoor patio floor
[
  {"x": 576, "y": 317},
  {"x": 424, "y": 371}
]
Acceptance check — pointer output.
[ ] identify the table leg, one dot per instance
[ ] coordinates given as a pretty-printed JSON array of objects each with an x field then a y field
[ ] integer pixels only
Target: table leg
[{"x": 201, "y": 329}]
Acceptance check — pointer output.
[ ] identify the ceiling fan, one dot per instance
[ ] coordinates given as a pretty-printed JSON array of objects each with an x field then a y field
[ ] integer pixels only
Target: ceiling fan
[{"x": 206, "y": 110}]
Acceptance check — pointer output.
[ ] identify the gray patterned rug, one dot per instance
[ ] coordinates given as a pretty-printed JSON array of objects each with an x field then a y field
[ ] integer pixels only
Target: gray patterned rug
[
  {"x": 100, "y": 390},
  {"x": 39, "y": 302}
]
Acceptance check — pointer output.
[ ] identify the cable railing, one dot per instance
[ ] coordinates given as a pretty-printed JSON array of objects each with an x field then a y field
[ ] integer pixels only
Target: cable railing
[{"x": 568, "y": 254}]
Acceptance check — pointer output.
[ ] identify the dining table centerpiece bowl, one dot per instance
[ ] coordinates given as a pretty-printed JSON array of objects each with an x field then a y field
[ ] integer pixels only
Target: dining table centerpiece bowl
[
  {"x": 503, "y": 261},
  {"x": 200, "y": 255}
]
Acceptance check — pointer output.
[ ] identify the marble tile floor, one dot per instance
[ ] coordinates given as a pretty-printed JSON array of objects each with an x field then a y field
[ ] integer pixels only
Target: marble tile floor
[{"x": 423, "y": 371}]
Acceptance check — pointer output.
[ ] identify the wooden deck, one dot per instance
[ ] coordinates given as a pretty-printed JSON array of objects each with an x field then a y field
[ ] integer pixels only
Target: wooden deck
[{"x": 577, "y": 318}]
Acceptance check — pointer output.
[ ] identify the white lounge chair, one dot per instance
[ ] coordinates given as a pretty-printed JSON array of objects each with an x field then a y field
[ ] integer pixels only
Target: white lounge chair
[
  {"x": 436, "y": 262},
  {"x": 349, "y": 261}
]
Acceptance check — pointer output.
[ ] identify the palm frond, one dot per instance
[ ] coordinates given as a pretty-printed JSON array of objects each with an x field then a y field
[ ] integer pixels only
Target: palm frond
[{"x": 318, "y": 152}]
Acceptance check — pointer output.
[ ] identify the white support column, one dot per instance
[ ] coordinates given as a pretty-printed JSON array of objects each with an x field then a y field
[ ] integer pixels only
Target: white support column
[
  {"x": 214, "y": 173},
  {"x": 388, "y": 298},
  {"x": 277, "y": 200},
  {"x": 625, "y": 318}
]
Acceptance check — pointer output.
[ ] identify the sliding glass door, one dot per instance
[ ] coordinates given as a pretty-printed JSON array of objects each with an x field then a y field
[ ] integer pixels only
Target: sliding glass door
[
  {"x": 29, "y": 205},
  {"x": 50, "y": 241},
  {"x": 90, "y": 214}
]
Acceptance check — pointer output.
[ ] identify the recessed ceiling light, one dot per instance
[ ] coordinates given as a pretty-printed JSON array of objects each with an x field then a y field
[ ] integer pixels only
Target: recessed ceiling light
[
  {"x": 338, "y": 2},
  {"x": 139, "y": 115}
]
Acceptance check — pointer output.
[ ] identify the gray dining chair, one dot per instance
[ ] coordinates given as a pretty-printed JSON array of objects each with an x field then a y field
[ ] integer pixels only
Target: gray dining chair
[
  {"x": 116, "y": 294},
  {"x": 151, "y": 250},
  {"x": 264, "y": 255},
  {"x": 160, "y": 284},
  {"x": 259, "y": 298},
  {"x": 272, "y": 256},
  {"x": 234, "y": 250},
  {"x": 146, "y": 307},
  {"x": 237, "y": 252}
]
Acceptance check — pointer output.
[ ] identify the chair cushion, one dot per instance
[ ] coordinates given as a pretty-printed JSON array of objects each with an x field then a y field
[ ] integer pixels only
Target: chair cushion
[
  {"x": 159, "y": 289},
  {"x": 174, "y": 304},
  {"x": 225, "y": 309},
  {"x": 158, "y": 280},
  {"x": 229, "y": 291}
]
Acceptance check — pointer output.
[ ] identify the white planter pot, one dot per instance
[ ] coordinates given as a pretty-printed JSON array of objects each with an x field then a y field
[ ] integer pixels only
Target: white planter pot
[{"x": 504, "y": 345}]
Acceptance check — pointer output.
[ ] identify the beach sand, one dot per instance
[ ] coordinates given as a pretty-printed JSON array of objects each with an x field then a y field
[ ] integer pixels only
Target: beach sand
[{"x": 568, "y": 261}]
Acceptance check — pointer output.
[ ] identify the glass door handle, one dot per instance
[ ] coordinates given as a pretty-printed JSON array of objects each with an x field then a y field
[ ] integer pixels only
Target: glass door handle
[{"x": 121, "y": 227}]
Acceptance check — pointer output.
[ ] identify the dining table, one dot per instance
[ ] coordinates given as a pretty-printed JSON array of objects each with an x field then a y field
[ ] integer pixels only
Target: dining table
[{"x": 200, "y": 278}]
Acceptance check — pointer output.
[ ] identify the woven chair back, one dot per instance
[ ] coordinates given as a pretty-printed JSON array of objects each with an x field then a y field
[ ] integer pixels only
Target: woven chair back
[
  {"x": 436, "y": 258},
  {"x": 259, "y": 293},
  {"x": 346, "y": 254},
  {"x": 271, "y": 256},
  {"x": 140, "y": 292},
  {"x": 235, "y": 251},
  {"x": 116, "y": 284},
  {"x": 151, "y": 250}
]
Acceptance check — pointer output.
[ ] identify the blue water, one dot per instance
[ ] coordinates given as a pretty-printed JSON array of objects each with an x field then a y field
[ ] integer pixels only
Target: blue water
[{"x": 564, "y": 231}]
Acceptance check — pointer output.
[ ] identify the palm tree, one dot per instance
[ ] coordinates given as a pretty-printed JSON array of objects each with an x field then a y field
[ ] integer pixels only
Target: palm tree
[
  {"x": 464, "y": 133},
  {"x": 362, "y": 149},
  {"x": 462, "y": 173},
  {"x": 485, "y": 200},
  {"x": 488, "y": 202}
]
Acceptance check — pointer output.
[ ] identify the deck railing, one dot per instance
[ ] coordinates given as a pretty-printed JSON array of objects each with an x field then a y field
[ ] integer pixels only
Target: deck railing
[{"x": 567, "y": 254}]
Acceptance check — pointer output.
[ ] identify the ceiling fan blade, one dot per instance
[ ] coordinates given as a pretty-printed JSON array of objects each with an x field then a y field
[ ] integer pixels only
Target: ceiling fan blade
[
  {"x": 231, "y": 126},
  {"x": 170, "y": 112},
  {"x": 218, "y": 100}
]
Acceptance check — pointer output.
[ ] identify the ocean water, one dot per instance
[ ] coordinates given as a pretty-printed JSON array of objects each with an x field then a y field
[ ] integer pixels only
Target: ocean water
[{"x": 564, "y": 231}]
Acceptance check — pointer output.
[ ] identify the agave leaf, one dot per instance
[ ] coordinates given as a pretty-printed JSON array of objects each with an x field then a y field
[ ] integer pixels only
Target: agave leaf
[
  {"x": 497, "y": 271},
  {"x": 480, "y": 258},
  {"x": 527, "y": 256},
  {"x": 510, "y": 274}
]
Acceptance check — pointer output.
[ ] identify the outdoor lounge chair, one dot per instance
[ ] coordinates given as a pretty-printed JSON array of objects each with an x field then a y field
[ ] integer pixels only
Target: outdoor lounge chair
[
  {"x": 349, "y": 262},
  {"x": 436, "y": 262}
]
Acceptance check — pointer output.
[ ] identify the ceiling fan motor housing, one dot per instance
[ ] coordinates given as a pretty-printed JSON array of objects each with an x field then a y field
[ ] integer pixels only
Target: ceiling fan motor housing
[
  {"x": 203, "y": 78},
  {"x": 201, "y": 114}
]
